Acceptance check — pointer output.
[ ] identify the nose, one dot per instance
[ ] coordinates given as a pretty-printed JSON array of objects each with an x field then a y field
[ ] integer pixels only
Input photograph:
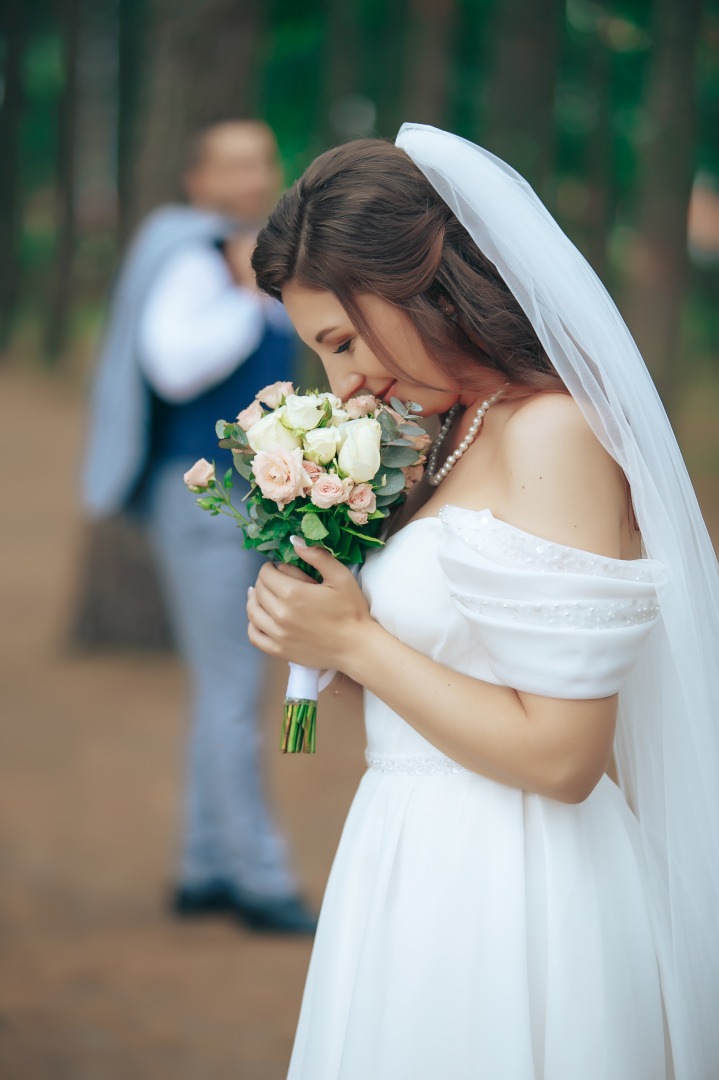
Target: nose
[{"x": 344, "y": 384}]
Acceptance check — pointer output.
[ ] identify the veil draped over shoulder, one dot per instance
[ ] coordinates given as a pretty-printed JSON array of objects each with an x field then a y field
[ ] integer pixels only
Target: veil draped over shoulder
[{"x": 667, "y": 741}]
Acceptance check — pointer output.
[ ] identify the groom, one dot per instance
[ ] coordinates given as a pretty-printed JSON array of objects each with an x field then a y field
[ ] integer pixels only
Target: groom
[{"x": 189, "y": 340}]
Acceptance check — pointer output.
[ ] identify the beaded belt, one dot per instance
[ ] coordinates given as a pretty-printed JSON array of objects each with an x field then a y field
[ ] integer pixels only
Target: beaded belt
[{"x": 412, "y": 764}]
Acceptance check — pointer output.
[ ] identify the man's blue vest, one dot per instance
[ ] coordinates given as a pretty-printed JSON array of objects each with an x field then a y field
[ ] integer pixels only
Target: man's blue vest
[{"x": 188, "y": 430}]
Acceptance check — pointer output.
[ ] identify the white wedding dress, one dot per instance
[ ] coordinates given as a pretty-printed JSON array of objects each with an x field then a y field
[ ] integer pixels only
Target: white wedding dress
[{"x": 469, "y": 930}]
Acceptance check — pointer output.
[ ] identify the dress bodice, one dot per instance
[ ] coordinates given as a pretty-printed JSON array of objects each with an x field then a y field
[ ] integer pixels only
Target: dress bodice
[{"x": 492, "y": 601}]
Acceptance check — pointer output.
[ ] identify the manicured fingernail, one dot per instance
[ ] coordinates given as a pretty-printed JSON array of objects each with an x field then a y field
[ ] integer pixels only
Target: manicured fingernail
[{"x": 297, "y": 542}]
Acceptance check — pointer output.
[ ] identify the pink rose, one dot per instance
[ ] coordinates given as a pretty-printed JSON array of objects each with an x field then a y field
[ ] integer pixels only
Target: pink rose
[
  {"x": 280, "y": 474},
  {"x": 361, "y": 405},
  {"x": 329, "y": 490},
  {"x": 362, "y": 497},
  {"x": 421, "y": 441},
  {"x": 198, "y": 477},
  {"x": 362, "y": 502},
  {"x": 412, "y": 475},
  {"x": 312, "y": 471},
  {"x": 249, "y": 416},
  {"x": 272, "y": 395}
]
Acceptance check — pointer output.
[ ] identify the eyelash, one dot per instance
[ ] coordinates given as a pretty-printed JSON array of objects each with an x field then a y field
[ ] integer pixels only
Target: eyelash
[{"x": 344, "y": 346}]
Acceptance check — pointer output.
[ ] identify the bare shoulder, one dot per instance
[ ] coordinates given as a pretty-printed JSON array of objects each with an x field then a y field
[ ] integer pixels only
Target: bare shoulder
[{"x": 558, "y": 481}]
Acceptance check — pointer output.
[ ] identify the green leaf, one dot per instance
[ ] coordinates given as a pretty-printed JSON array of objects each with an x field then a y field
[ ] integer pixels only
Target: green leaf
[
  {"x": 313, "y": 528},
  {"x": 398, "y": 406},
  {"x": 227, "y": 478},
  {"x": 207, "y": 504},
  {"x": 414, "y": 407},
  {"x": 243, "y": 466},
  {"x": 220, "y": 429},
  {"x": 388, "y": 424},
  {"x": 394, "y": 482},
  {"x": 398, "y": 457},
  {"x": 268, "y": 545},
  {"x": 412, "y": 428},
  {"x": 387, "y": 500}
]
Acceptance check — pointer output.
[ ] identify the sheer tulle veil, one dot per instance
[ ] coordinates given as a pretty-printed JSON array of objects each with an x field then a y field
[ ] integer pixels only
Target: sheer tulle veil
[{"x": 667, "y": 743}]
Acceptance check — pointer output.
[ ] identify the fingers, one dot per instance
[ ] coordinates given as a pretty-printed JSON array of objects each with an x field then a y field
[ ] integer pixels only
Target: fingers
[
  {"x": 333, "y": 572},
  {"x": 259, "y": 616}
]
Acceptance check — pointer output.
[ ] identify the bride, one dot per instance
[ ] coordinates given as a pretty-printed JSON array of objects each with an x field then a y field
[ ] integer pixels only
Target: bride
[{"x": 526, "y": 884}]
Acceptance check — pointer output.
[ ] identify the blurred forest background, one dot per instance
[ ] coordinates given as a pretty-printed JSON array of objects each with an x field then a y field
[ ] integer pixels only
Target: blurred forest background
[{"x": 609, "y": 107}]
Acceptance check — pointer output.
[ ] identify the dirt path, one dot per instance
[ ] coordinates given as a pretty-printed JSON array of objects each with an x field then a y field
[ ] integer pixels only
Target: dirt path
[{"x": 96, "y": 982}]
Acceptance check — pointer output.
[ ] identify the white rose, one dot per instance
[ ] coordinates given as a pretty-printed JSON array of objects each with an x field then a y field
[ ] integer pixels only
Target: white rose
[
  {"x": 303, "y": 412},
  {"x": 321, "y": 444},
  {"x": 269, "y": 432},
  {"x": 339, "y": 413},
  {"x": 359, "y": 455}
]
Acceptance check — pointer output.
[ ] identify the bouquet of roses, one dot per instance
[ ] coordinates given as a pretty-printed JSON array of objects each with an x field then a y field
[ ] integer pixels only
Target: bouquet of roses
[{"x": 321, "y": 468}]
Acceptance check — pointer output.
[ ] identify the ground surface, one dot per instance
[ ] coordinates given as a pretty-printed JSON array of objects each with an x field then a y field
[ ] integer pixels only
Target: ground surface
[{"x": 96, "y": 982}]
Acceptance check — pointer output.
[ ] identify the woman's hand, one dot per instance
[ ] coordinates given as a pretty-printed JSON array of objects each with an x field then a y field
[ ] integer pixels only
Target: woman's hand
[{"x": 310, "y": 623}]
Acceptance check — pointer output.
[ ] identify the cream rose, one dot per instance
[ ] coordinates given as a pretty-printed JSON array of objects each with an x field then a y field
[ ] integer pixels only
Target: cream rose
[
  {"x": 303, "y": 413},
  {"x": 321, "y": 444},
  {"x": 250, "y": 415},
  {"x": 329, "y": 490},
  {"x": 362, "y": 502},
  {"x": 361, "y": 405},
  {"x": 198, "y": 477},
  {"x": 359, "y": 454},
  {"x": 269, "y": 432},
  {"x": 272, "y": 395},
  {"x": 280, "y": 474}
]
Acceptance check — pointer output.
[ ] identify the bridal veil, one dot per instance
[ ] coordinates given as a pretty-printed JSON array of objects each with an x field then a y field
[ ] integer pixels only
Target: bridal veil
[{"x": 667, "y": 742}]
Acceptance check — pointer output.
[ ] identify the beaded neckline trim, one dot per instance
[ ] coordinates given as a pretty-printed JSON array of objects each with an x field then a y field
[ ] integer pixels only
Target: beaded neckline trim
[{"x": 509, "y": 545}]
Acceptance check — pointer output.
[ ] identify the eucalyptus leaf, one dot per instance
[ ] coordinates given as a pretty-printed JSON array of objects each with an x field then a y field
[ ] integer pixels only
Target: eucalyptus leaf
[
  {"x": 399, "y": 457},
  {"x": 388, "y": 424},
  {"x": 412, "y": 428},
  {"x": 394, "y": 482},
  {"x": 414, "y": 407},
  {"x": 220, "y": 429},
  {"x": 398, "y": 406},
  {"x": 268, "y": 545},
  {"x": 244, "y": 469}
]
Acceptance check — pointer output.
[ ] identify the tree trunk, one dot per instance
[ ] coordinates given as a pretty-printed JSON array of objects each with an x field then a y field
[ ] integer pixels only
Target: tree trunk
[
  {"x": 199, "y": 70},
  {"x": 130, "y": 68},
  {"x": 66, "y": 228},
  {"x": 119, "y": 603},
  {"x": 658, "y": 273},
  {"x": 12, "y": 35},
  {"x": 427, "y": 60},
  {"x": 519, "y": 125}
]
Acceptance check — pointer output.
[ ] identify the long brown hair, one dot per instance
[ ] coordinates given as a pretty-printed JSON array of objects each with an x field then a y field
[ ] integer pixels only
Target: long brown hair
[{"x": 364, "y": 219}]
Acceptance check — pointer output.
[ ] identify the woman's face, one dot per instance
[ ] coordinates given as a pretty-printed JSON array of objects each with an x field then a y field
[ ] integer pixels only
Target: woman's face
[{"x": 351, "y": 366}]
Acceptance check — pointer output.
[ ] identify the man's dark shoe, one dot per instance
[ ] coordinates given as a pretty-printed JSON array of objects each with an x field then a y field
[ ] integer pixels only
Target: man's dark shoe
[
  {"x": 212, "y": 898},
  {"x": 278, "y": 915},
  {"x": 267, "y": 914}
]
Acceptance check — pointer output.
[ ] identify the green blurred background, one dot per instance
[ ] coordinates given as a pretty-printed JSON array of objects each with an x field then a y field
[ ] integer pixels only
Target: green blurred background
[{"x": 610, "y": 109}]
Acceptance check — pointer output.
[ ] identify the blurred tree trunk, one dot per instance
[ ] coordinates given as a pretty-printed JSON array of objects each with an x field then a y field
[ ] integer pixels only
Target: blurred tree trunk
[
  {"x": 199, "y": 70},
  {"x": 655, "y": 291},
  {"x": 131, "y": 26},
  {"x": 428, "y": 60},
  {"x": 119, "y": 604},
  {"x": 519, "y": 123},
  {"x": 600, "y": 170},
  {"x": 12, "y": 36},
  {"x": 66, "y": 227}
]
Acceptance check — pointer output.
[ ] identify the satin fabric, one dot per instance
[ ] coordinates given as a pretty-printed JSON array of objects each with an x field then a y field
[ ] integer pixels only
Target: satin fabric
[{"x": 471, "y": 930}]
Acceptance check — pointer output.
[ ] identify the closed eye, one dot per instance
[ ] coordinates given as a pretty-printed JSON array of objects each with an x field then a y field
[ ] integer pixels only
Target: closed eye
[{"x": 344, "y": 346}]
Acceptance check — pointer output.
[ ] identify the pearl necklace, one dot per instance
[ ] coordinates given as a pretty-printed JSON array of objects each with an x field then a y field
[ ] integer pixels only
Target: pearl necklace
[{"x": 436, "y": 476}]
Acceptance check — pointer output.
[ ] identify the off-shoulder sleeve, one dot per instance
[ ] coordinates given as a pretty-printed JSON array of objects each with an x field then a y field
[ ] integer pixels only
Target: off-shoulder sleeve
[{"x": 553, "y": 620}]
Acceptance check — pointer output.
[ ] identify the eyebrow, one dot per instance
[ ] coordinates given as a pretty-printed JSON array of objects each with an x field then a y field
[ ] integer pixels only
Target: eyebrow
[{"x": 324, "y": 333}]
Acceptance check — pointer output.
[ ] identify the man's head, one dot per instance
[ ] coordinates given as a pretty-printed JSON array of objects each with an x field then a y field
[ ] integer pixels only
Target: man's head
[{"x": 233, "y": 168}]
